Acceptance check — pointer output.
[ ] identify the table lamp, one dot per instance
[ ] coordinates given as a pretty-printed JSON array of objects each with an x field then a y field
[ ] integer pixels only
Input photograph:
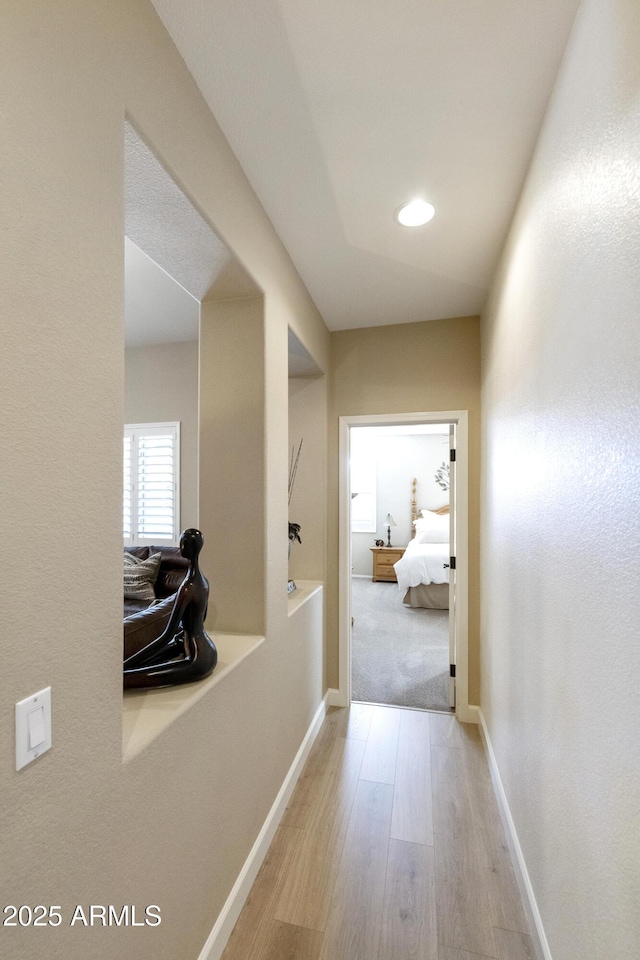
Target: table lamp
[{"x": 388, "y": 523}]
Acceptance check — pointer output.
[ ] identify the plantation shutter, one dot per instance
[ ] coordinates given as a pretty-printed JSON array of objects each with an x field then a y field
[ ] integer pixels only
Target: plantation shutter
[
  {"x": 128, "y": 487},
  {"x": 151, "y": 471}
]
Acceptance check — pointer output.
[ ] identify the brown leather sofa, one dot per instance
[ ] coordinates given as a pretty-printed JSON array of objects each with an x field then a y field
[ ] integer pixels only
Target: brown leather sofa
[{"x": 145, "y": 620}]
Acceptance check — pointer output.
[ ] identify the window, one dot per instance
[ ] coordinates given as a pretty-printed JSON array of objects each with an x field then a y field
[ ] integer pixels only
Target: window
[
  {"x": 363, "y": 481},
  {"x": 151, "y": 496}
]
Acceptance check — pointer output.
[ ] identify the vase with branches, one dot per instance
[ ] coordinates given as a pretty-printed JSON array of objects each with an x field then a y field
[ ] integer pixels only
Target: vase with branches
[{"x": 294, "y": 528}]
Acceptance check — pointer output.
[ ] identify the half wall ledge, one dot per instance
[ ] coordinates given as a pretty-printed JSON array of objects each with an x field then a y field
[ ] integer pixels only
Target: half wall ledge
[
  {"x": 305, "y": 589},
  {"x": 147, "y": 713}
]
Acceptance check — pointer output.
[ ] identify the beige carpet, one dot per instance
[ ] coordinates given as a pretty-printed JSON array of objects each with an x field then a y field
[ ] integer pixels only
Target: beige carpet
[{"x": 399, "y": 655}]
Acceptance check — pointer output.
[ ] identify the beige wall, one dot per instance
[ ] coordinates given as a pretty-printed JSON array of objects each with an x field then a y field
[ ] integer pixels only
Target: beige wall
[
  {"x": 405, "y": 368},
  {"x": 173, "y": 826},
  {"x": 308, "y": 507},
  {"x": 560, "y": 602},
  {"x": 308, "y": 422},
  {"x": 161, "y": 385},
  {"x": 232, "y": 460}
]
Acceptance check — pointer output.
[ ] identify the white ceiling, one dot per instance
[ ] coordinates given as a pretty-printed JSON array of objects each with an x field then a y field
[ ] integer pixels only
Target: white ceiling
[
  {"x": 162, "y": 299},
  {"x": 156, "y": 308},
  {"x": 173, "y": 259},
  {"x": 164, "y": 223},
  {"x": 340, "y": 110},
  {"x": 301, "y": 363}
]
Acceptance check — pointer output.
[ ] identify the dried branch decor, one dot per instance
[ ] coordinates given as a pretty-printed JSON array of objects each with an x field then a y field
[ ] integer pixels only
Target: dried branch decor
[
  {"x": 293, "y": 467},
  {"x": 294, "y": 528}
]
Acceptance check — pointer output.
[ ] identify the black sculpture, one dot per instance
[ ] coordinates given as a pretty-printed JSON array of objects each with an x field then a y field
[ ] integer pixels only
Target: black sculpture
[{"x": 184, "y": 652}]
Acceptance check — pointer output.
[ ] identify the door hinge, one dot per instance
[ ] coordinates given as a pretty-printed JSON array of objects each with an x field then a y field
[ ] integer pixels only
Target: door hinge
[
  {"x": 452, "y": 563},
  {"x": 452, "y": 454},
  {"x": 452, "y": 670}
]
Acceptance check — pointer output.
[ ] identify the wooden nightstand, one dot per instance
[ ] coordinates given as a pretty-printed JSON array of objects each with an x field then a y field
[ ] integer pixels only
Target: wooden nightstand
[{"x": 383, "y": 561}]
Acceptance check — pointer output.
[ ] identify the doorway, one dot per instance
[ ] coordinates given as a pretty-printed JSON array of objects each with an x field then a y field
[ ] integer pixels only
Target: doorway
[
  {"x": 400, "y": 535},
  {"x": 377, "y": 598}
]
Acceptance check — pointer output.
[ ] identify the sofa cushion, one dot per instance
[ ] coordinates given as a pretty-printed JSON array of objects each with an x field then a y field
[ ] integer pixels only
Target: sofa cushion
[
  {"x": 141, "y": 552},
  {"x": 173, "y": 569},
  {"x": 169, "y": 581},
  {"x": 135, "y": 606},
  {"x": 140, "y": 576},
  {"x": 142, "y": 628}
]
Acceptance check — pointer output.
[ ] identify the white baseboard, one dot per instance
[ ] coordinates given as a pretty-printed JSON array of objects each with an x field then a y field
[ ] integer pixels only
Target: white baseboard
[
  {"x": 334, "y": 697},
  {"x": 540, "y": 943},
  {"x": 470, "y": 714},
  {"x": 217, "y": 939}
]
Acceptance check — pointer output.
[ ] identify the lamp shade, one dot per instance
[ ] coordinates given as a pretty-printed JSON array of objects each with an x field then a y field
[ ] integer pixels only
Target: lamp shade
[{"x": 389, "y": 521}]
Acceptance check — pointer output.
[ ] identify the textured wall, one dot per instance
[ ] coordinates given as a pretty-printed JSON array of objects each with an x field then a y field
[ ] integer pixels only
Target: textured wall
[
  {"x": 560, "y": 602},
  {"x": 161, "y": 385},
  {"x": 174, "y": 826},
  {"x": 401, "y": 369}
]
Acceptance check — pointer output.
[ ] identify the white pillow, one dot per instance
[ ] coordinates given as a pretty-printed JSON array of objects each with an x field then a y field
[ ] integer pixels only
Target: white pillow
[
  {"x": 432, "y": 529},
  {"x": 140, "y": 576}
]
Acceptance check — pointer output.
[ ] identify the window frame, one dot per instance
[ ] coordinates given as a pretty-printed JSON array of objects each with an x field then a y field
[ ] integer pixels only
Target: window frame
[{"x": 135, "y": 431}]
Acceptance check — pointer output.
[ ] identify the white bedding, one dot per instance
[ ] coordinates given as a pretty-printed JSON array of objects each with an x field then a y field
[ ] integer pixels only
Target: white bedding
[{"x": 422, "y": 563}]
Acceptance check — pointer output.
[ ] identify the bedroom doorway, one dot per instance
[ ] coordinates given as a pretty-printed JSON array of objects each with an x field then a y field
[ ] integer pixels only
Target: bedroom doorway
[{"x": 404, "y": 653}]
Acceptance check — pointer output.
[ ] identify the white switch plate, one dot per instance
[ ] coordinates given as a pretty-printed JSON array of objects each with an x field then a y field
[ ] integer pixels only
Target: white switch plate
[{"x": 39, "y": 706}]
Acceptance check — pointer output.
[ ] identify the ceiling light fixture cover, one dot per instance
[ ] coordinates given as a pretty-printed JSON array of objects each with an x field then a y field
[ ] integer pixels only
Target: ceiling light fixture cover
[{"x": 415, "y": 213}]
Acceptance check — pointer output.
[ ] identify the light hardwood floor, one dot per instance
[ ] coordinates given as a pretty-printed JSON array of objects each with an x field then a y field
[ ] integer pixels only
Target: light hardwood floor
[{"x": 391, "y": 848}]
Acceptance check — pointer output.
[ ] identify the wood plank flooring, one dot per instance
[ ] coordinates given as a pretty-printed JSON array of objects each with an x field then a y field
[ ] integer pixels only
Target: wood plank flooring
[{"x": 391, "y": 848}]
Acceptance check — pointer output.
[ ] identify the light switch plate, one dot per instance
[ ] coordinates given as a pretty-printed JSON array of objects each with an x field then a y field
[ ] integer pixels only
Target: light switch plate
[{"x": 33, "y": 721}]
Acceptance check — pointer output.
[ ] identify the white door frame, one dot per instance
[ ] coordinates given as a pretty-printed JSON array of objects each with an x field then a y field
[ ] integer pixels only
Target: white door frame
[{"x": 460, "y": 418}]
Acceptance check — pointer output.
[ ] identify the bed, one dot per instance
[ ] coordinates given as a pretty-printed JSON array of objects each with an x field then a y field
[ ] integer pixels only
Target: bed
[{"x": 422, "y": 576}]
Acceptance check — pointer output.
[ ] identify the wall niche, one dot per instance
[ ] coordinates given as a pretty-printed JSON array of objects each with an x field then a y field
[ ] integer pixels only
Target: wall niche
[{"x": 307, "y": 423}]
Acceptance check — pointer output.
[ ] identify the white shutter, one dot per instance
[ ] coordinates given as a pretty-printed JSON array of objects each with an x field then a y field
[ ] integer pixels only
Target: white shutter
[
  {"x": 156, "y": 486},
  {"x": 154, "y": 470},
  {"x": 127, "y": 494}
]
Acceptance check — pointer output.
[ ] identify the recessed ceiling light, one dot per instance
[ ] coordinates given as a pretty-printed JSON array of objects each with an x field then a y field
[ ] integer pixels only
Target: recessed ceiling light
[{"x": 415, "y": 213}]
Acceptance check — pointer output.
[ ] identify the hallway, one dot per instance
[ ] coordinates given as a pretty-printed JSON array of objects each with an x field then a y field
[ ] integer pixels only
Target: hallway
[{"x": 391, "y": 847}]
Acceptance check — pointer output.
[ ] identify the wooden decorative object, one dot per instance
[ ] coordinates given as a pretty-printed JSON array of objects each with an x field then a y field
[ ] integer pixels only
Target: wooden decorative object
[
  {"x": 184, "y": 652},
  {"x": 415, "y": 514},
  {"x": 414, "y": 505}
]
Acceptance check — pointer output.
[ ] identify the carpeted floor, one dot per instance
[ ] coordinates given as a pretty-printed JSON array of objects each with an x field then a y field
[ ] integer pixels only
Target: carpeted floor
[{"x": 399, "y": 655}]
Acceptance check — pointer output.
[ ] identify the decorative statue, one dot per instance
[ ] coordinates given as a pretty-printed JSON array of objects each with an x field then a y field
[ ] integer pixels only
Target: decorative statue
[{"x": 184, "y": 652}]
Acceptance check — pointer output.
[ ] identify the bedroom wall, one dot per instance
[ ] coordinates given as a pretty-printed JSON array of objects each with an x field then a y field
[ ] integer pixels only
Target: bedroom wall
[
  {"x": 398, "y": 460},
  {"x": 404, "y": 368},
  {"x": 560, "y": 604},
  {"x": 161, "y": 384},
  {"x": 173, "y": 826}
]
